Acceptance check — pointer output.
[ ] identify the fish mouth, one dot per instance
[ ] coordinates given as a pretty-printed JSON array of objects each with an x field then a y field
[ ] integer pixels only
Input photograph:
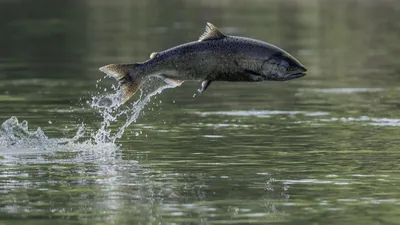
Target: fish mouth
[{"x": 295, "y": 75}]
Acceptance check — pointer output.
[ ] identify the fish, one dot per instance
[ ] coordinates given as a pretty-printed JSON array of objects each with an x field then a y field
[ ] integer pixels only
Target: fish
[{"x": 214, "y": 57}]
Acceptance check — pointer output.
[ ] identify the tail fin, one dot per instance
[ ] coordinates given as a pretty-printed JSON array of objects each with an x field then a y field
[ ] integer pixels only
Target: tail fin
[{"x": 129, "y": 81}]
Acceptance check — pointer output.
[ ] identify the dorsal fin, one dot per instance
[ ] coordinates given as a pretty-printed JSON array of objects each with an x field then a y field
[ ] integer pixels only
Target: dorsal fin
[
  {"x": 211, "y": 32},
  {"x": 154, "y": 54}
]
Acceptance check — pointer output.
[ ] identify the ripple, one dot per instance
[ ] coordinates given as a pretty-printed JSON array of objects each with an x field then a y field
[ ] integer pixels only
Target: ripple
[
  {"x": 314, "y": 181},
  {"x": 221, "y": 125},
  {"x": 369, "y": 120},
  {"x": 262, "y": 113},
  {"x": 213, "y": 136},
  {"x": 345, "y": 90}
]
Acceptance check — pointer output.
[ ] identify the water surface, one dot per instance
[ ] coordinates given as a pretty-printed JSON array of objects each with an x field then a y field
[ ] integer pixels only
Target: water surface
[{"x": 323, "y": 149}]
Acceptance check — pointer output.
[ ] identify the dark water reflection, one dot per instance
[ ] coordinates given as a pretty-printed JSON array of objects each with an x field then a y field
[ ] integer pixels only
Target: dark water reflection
[{"x": 319, "y": 150}]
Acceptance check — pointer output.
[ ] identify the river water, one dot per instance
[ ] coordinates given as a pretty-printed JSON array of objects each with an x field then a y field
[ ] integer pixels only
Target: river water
[{"x": 323, "y": 149}]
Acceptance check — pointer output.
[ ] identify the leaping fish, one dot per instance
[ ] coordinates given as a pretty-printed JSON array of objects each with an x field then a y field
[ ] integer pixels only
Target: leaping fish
[{"x": 214, "y": 57}]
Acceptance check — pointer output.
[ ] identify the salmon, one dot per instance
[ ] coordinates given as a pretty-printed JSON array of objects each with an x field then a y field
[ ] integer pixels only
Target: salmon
[{"x": 214, "y": 57}]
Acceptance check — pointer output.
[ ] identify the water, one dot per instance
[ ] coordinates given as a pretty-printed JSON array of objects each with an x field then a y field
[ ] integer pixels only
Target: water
[{"x": 322, "y": 149}]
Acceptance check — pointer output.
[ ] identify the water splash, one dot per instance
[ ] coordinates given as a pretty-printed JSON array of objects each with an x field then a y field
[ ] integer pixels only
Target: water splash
[
  {"x": 15, "y": 135},
  {"x": 110, "y": 109}
]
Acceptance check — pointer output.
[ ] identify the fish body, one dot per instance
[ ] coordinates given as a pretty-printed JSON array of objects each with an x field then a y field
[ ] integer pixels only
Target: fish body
[{"x": 215, "y": 57}]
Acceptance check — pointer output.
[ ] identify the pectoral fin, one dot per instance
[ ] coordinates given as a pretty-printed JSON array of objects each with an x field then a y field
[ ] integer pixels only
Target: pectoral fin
[
  {"x": 204, "y": 85},
  {"x": 171, "y": 81}
]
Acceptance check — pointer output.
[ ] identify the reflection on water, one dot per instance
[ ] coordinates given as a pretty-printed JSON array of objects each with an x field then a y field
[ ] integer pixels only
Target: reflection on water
[{"x": 322, "y": 149}]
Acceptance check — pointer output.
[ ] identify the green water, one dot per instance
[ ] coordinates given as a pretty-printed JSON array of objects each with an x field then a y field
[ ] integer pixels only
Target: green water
[{"x": 323, "y": 149}]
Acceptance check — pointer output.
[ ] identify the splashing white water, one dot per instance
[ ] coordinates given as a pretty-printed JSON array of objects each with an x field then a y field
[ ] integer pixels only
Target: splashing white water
[
  {"x": 109, "y": 108},
  {"x": 16, "y": 135}
]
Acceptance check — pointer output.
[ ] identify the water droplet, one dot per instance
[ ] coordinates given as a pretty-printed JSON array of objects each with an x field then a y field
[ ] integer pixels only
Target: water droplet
[{"x": 194, "y": 95}]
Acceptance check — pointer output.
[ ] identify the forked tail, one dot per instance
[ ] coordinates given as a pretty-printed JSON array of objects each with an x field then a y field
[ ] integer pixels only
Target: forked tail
[{"x": 127, "y": 76}]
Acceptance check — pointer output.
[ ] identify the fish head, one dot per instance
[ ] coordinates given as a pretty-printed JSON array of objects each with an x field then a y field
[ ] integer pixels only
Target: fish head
[{"x": 281, "y": 66}]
